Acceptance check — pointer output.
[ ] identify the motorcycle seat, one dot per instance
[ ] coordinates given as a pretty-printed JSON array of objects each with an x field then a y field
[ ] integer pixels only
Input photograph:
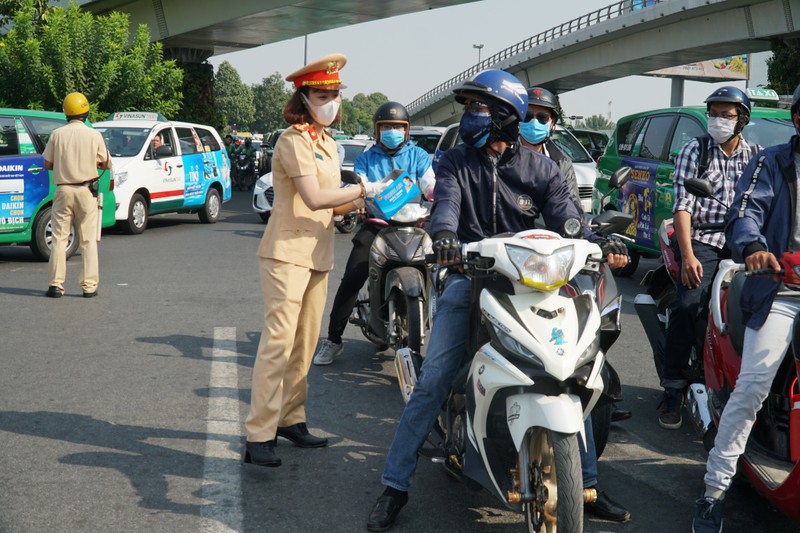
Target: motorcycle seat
[{"x": 735, "y": 316}]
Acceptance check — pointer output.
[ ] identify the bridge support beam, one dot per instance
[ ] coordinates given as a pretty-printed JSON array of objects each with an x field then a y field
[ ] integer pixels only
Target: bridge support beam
[{"x": 676, "y": 92}]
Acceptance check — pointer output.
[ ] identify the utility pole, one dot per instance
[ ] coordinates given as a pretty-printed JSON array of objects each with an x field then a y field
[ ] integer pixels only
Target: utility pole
[{"x": 478, "y": 46}]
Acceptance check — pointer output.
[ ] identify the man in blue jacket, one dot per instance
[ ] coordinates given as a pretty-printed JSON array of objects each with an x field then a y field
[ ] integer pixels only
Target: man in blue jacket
[
  {"x": 761, "y": 226},
  {"x": 487, "y": 186},
  {"x": 393, "y": 151}
]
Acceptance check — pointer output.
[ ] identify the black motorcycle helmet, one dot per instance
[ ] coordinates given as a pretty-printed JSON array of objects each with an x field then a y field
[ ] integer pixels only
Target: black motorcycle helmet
[
  {"x": 539, "y": 96},
  {"x": 393, "y": 112},
  {"x": 732, "y": 95},
  {"x": 248, "y": 142}
]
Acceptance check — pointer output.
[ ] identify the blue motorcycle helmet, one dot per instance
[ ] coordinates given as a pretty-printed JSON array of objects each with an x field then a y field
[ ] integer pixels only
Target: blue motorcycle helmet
[{"x": 506, "y": 97}]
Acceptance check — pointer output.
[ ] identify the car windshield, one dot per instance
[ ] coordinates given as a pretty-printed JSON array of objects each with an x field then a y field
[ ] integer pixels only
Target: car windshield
[
  {"x": 768, "y": 131},
  {"x": 571, "y": 147},
  {"x": 124, "y": 142},
  {"x": 426, "y": 141}
]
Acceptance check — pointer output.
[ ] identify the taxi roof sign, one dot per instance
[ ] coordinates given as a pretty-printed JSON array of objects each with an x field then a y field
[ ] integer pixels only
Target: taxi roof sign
[
  {"x": 137, "y": 115},
  {"x": 757, "y": 93}
]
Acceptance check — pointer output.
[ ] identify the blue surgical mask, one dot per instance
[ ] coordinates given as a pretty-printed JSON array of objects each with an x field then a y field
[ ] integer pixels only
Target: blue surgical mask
[
  {"x": 534, "y": 131},
  {"x": 391, "y": 139},
  {"x": 475, "y": 128}
]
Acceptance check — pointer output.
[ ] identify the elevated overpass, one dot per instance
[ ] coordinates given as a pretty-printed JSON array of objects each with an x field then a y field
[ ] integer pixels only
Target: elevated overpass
[
  {"x": 624, "y": 39},
  {"x": 194, "y": 30}
]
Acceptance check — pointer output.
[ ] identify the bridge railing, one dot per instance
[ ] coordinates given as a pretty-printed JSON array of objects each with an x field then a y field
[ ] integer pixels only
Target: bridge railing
[{"x": 601, "y": 15}]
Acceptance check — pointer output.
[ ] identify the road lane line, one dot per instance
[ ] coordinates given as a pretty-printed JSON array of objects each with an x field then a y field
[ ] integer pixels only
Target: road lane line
[{"x": 222, "y": 485}]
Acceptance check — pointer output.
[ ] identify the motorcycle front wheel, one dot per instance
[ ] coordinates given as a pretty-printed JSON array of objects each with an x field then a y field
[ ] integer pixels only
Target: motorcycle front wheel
[
  {"x": 347, "y": 224},
  {"x": 554, "y": 474}
]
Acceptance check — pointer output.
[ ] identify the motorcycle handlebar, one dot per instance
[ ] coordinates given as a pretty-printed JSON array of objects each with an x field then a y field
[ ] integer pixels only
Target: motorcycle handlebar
[{"x": 711, "y": 226}]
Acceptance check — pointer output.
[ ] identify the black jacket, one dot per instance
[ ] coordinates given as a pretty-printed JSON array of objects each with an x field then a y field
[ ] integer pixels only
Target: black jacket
[{"x": 476, "y": 198}]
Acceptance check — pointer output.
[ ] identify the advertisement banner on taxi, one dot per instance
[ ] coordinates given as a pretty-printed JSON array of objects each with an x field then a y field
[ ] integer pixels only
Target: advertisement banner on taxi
[
  {"x": 730, "y": 68},
  {"x": 638, "y": 199},
  {"x": 23, "y": 185}
]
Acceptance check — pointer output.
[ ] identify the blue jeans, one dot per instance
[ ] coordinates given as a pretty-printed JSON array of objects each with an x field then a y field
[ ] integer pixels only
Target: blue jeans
[
  {"x": 446, "y": 354},
  {"x": 588, "y": 456}
]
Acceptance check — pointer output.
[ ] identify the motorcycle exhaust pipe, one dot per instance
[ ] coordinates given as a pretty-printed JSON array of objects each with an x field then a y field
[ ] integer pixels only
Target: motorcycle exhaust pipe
[
  {"x": 406, "y": 374},
  {"x": 697, "y": 403}
]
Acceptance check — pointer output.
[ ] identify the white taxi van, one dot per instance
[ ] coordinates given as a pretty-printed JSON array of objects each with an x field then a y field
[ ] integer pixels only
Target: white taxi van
[{"x": 188, "y": 173}]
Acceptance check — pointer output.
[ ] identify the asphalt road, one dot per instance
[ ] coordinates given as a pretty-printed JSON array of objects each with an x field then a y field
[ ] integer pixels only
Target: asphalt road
[{"x": 124, "y": 412}]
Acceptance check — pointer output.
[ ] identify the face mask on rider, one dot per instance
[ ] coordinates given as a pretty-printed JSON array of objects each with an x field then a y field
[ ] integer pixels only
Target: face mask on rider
[
  {"x": 721, "y": 129},
  {"x": 325, "y": 114},
  {"x": 391, "y": 139},
  {"x": 534, "y": 131},
  {"x": 474, "y": 128}
]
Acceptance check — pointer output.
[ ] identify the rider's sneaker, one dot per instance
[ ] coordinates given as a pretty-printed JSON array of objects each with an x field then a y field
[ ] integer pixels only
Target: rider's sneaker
[
  {"x": 708, "y": 515},
  {"x": 671, "y": 408},
  {"x": 326, "y": 351}
]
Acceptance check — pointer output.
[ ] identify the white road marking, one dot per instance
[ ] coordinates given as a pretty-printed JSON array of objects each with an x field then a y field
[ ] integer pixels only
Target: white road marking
[{"x": 222, "y": 484}]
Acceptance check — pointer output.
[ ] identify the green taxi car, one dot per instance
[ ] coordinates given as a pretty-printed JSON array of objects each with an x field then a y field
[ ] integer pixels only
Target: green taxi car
[
  {"x": 26, "y": 190},
  {"x": 648, "y": 143}
]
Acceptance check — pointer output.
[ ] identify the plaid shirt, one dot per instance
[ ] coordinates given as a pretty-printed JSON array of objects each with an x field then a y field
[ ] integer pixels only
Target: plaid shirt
[{"x": 722, "y": 173}]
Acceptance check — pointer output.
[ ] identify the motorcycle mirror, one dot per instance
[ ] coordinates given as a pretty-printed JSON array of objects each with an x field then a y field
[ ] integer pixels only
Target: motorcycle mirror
[
  {"x": 699, "y": 188},
  {"x": 611, "y": 221},
  {"x": 619, "y": 178},
  {"x": 702, "y": 189},
  {"x": 348, "y": 176}
]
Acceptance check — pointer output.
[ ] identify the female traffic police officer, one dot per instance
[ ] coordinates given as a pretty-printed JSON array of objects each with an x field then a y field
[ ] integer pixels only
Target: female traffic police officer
[{"x": 295, "y": 255}]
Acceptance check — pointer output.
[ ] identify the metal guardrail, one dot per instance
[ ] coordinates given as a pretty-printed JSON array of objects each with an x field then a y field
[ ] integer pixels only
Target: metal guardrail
[{"x": 601, "y": 15}]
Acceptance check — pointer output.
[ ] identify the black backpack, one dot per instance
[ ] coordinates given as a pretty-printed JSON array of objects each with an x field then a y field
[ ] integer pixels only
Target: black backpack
[{"x": 704, "y": 157}]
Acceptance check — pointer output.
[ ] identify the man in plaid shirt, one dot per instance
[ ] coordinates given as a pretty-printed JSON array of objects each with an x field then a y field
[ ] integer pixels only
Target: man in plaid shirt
[{"x": 699, "y": 252}]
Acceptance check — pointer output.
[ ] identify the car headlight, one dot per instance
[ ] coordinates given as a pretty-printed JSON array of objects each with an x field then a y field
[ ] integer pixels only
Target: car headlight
[
  {"x": 543, "y": 272},
  {"x": 511, "y": 345},
  {"x": 260, "y": 187},
  {"x": 120, "y": 177}
]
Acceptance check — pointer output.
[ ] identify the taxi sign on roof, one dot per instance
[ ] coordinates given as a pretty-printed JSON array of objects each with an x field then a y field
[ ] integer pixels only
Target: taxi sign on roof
[
  {"x": 757, "y": 93},
  {"x": 137, "y": 115}
]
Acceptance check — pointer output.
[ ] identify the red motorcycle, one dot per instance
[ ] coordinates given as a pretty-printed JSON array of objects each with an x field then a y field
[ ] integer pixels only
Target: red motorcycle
[{"x": 770, "y": 461}]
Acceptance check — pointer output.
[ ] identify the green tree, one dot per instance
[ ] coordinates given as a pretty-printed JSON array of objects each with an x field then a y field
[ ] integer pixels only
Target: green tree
[
  {"x": 8, "y": 8},
  {"x": 596, "y": 122},
  {"x": 234, "y": 98},
  {"x": 270, "y": 97},
  {"x": 783, "y": 68},
  {"x": 199, "y": 104},
  {"x": 75, "y": 51},
  {"x": 357, "y": 114}
]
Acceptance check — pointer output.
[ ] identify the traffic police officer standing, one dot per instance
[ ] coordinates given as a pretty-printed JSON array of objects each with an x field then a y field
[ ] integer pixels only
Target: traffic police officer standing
[{"x": 73, "y": 153}]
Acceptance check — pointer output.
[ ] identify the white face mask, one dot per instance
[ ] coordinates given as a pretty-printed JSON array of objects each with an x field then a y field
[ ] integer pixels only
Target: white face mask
[
  {"x": 721, "y": 129},
  {"x": 325, "y": 114}
]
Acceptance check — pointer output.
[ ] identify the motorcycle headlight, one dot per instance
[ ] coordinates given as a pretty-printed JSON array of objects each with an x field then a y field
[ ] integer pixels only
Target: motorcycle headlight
[
  {"x": 120, "y": 177},
  {"x": 543, "y": 272},
  {"x": 381, "y": 252},
  {"x": 425, "y": 248},
  {"x": 590, "y": 353},
  {"x": 511, "y": 344}
]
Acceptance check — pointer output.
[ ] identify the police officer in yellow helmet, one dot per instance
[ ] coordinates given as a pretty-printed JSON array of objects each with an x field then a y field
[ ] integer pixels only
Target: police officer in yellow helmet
[{"x": 74, "y": 153}]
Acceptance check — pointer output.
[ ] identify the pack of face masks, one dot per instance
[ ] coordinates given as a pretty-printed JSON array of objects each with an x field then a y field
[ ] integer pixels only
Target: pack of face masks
[{"x": 401, "y": 190}]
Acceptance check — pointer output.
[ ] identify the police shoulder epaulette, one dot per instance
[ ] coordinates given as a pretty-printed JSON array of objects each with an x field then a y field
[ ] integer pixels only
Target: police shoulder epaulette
[{"x": 306, "y": 127}]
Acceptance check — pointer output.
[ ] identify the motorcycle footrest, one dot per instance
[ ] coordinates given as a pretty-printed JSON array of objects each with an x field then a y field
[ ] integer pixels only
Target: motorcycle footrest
[{"x": 431, "y": 453}]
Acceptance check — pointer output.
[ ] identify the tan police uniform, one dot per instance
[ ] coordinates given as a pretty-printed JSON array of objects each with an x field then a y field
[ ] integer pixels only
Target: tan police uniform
[
  {"x": 296, "y": 254},
  {"x": 74, "y": 150}
]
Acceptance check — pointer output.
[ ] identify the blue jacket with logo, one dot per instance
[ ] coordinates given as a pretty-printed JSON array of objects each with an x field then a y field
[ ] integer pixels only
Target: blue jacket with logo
[
  {"x": 476, "y": 198},
  {"x": 376, "y": 164},
  {"x": 761, "y": 218}
]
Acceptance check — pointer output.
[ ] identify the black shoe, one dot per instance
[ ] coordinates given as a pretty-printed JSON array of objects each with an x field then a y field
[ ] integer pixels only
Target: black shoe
[
  {"x": 618, "y": 415},
  {"x": 90, "y": 294},
  {"x": 607, "y": 509},
  {"x": 54, "y": 292},
  {"x": 261, "y": 454},
  {"x": 386, "y": 509},
  {"x": 300, "y": 436}
]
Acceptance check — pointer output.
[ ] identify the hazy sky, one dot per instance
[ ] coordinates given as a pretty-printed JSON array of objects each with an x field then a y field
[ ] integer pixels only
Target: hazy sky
[{"x": 404, "y": 57}]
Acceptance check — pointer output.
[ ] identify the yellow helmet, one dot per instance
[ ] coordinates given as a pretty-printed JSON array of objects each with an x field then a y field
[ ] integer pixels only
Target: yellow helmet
[{"x": 75, "y": 104}]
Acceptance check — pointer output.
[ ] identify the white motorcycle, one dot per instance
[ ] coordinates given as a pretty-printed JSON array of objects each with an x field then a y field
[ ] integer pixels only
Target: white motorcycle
[{"x": 513, "y": 417}]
